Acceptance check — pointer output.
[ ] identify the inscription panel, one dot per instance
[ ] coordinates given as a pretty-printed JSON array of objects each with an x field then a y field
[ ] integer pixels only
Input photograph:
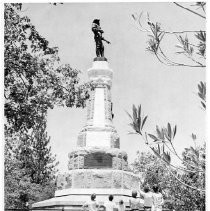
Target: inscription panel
[{"x": 98, "y": 160}]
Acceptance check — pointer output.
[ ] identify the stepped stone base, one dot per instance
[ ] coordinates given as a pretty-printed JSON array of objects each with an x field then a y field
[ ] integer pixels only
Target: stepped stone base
[
  {"x": 97, "y": 165},
  {"x": 98, "y": 178},
  {"x": 73, "y": 199}
]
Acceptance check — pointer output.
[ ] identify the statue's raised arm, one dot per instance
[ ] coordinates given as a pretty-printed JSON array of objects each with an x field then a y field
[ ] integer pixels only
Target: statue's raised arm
[{"x": 98, "y": 38}]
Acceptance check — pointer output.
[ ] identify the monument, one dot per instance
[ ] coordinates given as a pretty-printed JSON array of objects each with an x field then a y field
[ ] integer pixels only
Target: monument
[{"x": 97, "y": 165}]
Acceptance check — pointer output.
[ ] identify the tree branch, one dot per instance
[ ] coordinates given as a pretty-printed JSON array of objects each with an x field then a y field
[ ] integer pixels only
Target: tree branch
[
  {"x": 143, "y": 29},
  {"x": 185, "y": 161},
  {"x": 176, "y": 167},
  {"x": 184, "y": 169},
  {"x": 182, "y": 32},
  {"x": 195, "y": 188},
  {"x": 171, "y": 63},
  {"x": 190, "y": 10},
  {"x": 190, "y": 57}
]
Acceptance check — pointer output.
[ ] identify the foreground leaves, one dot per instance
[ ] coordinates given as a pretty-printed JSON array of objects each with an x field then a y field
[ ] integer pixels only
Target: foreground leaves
[
  {"x": 138, "y": 120},
  {"x": 202, "y": 93},
  {"x": 162, "y": 144}
]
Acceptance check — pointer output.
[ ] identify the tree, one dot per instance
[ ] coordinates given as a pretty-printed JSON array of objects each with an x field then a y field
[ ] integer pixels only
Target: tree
[
  {"x": 30, "y": 168},
  {"x": 162, "y": 140},
  {"x": 176, "y": 195},
  {"x": 34, "y": 82},
  {"x": 151, "y": 167},
  {"x": 19, "y": 189},
  {"x": 35, "y": 155}
]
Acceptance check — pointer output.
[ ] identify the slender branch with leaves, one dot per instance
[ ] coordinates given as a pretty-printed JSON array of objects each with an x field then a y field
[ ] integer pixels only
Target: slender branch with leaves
[
  {"x": 185, "y": 184},
  {"x": 194, "y": 52},
  {"x": 161, "y": 143}
]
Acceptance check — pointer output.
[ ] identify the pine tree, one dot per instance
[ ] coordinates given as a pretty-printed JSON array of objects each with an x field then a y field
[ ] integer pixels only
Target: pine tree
[
  {"x": 35, "y": 155},
  {"x": 30, "y": 168}
]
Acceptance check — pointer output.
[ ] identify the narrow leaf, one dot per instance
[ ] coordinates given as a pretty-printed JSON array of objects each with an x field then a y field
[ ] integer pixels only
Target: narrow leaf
[
  {"x": 133, "y": 16},
  {"x": 129, "y": 115},
  {"x": 155, "y": 152},
  {"x": 134, "y": 113},
  {"x": 139, "y": 123},
  {"x": 200, "y": 95},
  {"x": 200, "y": 88},
  {"x": 153, "y": 137},
  {"x": 143, "y": 122},
  {"x": 179, "y": 46},
  {"x": 203, "y": 104},
  {"x": 139, "y": 111},
  {"x": 193, "y": 136},
  {"x": 158, "y": 148},
  {"x": 174, "y": 131},
  {"x": 166, "y": 134},
  {"x": 169, "y": 130},
  {"x": 166, "y": 157},
  {"x": 158, "y": 131}
]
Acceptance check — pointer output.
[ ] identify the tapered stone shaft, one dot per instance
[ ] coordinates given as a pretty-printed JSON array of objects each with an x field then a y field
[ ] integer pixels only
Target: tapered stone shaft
[{"x": 99, "y": 130}]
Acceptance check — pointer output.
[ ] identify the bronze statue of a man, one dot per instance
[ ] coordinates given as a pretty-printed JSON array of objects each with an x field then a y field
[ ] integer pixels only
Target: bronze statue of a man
[{"x": 98, "y": 38}]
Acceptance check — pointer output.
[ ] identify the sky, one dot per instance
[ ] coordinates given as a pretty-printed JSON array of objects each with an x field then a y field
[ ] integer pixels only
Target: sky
[{"x": 167, "y": 94}]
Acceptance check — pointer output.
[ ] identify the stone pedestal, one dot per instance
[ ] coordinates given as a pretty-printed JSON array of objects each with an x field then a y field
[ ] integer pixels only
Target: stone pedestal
[
  {"x": 96, "y": 178},
  {"x": 97, "y": 165}
]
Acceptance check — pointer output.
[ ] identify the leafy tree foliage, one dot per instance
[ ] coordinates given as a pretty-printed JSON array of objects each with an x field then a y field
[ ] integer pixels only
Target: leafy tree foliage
[
  {"x": 35, "y": 155},
  {"x": 30, "y": 168},
  {"x": 19, "y": 189},
  {"x": 34, "y": 82},
  {"x": 177, "y": 196},
  {"x": 152, "y": 168}
]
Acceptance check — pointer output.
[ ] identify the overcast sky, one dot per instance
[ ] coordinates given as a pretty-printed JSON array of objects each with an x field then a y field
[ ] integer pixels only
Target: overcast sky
[{"x": 167, "y": 94}]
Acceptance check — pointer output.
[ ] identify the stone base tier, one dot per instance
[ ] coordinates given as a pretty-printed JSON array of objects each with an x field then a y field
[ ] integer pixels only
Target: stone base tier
[
  {"x": 74, "y": 199},
  {"x": 98, "y": 158},
  {"x": 98, "y": 178},
  {"x": 98, "y": 136}
]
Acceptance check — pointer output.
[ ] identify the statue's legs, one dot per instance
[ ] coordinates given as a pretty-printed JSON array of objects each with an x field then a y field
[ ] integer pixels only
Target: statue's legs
[
  {"x": 98, "y": 51},
  {"x": 102, "y": 50}
]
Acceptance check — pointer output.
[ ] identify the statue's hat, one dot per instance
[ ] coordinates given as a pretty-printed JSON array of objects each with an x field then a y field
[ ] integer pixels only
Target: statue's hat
[{"x": 96, "y": 21}]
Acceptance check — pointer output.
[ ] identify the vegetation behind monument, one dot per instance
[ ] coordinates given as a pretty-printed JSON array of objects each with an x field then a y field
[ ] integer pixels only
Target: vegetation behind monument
[
  {"x": 34, "y": 82},
  {"x": 176, "y": 195}
]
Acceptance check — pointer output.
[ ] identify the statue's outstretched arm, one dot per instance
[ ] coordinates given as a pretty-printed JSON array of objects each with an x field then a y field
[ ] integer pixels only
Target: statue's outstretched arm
[{"x": 106, "y": 41}]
